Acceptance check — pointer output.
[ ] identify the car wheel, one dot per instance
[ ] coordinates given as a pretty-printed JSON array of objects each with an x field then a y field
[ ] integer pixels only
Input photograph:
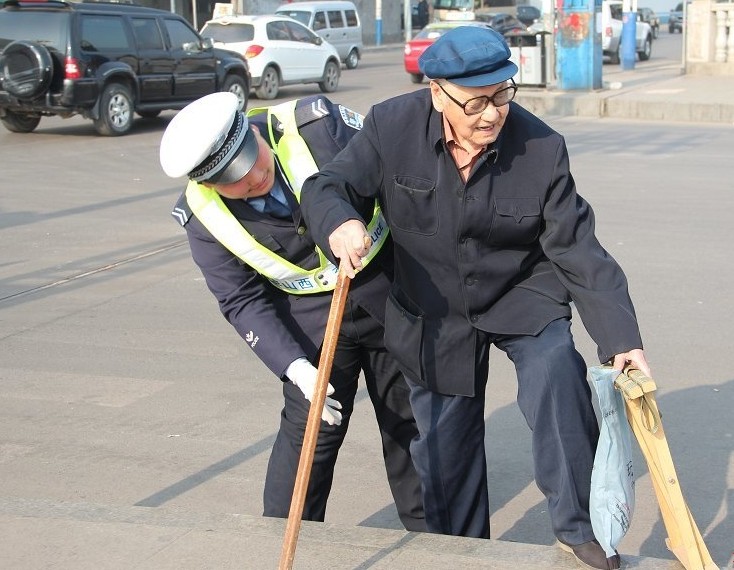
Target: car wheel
[
  {"x": 16, "y": 123},
  {"x": 27, "y": 69},
  {"x": 269, "y": 84},
  {"x": 614, "y": 57},
  {"x": 235, "y": 84},
  {"x": 646, "y": 49},
  {"x": 671, "y": 29},
  {"x": 330, "y": 79},
  {"x": 416, "y": 77},
  {"x": 352, "y": 59},
  {"x": 149, "y": 114},
  {"x": 115, "y": 111}
]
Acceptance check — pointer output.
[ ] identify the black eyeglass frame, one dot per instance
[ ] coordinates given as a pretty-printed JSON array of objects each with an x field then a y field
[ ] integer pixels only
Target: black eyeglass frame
[{"x": 487, "y": 98}]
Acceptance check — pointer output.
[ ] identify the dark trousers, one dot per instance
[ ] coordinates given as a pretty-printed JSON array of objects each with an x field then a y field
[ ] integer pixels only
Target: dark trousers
[
  {"x": 360, "y": 347},
  {"x": 555, "y": 399}
]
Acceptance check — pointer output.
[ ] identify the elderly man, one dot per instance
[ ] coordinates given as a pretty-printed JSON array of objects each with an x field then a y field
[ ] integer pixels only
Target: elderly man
[
  {"x": 243, "y": 222},
  {"x": 492, "y": 243}
]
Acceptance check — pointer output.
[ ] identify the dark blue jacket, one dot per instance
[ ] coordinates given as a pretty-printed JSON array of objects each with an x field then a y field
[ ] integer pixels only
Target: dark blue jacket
[
  {"x": 504, "y": 253},
  {"x": 279, "y": 327}
]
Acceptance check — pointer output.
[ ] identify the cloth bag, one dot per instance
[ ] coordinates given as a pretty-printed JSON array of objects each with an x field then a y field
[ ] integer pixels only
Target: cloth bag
[{"x": 612, "y": 499}]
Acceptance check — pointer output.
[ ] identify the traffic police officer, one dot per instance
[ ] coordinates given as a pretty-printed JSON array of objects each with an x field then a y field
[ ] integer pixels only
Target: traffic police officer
[{"x": 244, "y": 226}]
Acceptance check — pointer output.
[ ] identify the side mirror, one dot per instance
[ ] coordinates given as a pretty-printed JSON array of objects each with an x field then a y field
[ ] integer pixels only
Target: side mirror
[
  {"x": 207, "y": 43},
  {"x": 191, "y": 46}
]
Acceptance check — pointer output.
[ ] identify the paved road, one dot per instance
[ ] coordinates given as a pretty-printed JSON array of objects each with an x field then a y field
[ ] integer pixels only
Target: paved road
[{"x": 121, "y": 385}]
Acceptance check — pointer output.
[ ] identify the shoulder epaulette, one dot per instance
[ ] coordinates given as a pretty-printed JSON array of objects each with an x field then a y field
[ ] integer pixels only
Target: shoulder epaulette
[
  {"x": 311, "y": 109},
  {"x": 181, "y": 211}
]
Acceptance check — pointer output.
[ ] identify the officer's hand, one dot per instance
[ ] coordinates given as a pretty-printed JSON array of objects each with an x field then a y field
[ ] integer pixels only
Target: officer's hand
[
  {"x": 634, "y": 357},
  {"x": 303, "y": 374},
  {"x": 349, "y": 243}
]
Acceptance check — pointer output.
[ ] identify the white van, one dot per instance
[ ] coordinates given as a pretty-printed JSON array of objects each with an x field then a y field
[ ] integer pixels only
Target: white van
[{"x": 335, "y": 21}]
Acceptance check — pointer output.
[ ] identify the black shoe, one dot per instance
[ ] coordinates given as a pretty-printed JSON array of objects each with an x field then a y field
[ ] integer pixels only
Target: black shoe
[{"x": 592, "y": 555}]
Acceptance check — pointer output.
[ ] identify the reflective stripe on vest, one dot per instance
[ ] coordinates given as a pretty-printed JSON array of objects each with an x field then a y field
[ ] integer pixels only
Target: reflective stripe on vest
[{"x": 296, "y": 158}]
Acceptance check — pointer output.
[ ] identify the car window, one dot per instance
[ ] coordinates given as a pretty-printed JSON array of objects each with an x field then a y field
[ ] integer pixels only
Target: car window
[
  {"x": 179, "y": 33},
  {"x": 103, "y": 33},
  {"x": 146, "y": 32},
  {"x": 335, "y": 19},
  {"x": 277, "y": 31},
  {"x": 352, "y": 21},
  {"x": 299, "y": 15},
  {"x": 615, "y": 10},
  {"x": 301, "y": 33},
  {"x": 319, "y": 21},
  {"x": 49, "y": 30},
  {"x": 229, "y": 33}
]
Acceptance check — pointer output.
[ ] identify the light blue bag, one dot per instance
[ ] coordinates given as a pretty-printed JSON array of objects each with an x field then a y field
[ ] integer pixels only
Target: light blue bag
[{"x": 612, "y": 500}]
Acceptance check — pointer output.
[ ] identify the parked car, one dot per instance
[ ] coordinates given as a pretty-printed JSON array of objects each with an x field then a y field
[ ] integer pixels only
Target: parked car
[
  {"x": 528, "y": 14},
  {"x": 648, "y": 15},
  {"x": 420, "y": 42},
  {"x": 611, "y": 24},
  {"x": 675, "y": 19},
  {"x": 502, "y": 22},
  {"x": 337, "y": 21},
  {"x": 279, "y": 51},
  {"x": 105, "y": 62}
]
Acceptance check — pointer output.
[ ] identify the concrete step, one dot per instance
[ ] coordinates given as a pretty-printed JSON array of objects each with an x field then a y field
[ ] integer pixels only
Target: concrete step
[{"x": 81, "y": 536}]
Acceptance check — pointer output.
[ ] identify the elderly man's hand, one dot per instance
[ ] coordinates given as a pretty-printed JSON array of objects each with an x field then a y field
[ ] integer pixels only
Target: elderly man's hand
[
  {"x": 349, "y": 243},
  {"x": 634, "y": 357}
]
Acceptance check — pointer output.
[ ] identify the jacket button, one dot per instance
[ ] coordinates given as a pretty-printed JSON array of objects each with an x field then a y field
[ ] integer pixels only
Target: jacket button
[
  {"x": 301, "y": 230},
  {"x": 474, "y": 318}
]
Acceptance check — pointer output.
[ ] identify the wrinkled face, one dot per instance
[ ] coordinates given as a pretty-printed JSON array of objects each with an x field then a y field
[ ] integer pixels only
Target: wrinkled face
[
  {"x": 477, "y": 130},
  {"x": 258, "y": 181}
]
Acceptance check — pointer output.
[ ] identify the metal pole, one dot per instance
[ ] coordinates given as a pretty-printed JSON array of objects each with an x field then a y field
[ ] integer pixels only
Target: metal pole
[
  {"x": 407, "y": 20},
  {"x": 628, "y": 41},
  {"x": 378, "y": 22}
]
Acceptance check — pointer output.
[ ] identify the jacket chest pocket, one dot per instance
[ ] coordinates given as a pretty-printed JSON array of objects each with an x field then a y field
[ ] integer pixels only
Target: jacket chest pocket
[
  {"x": 515, "y": 221},
  {"x": 412, "y": 205}
]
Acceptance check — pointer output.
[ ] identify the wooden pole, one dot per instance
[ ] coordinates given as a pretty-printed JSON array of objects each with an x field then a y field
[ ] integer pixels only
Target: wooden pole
[
  {"x": 305, "y": 462},
  {"x": 684, "y": 539}
]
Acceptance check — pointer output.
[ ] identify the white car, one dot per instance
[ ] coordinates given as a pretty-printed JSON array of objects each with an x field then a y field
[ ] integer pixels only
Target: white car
[
  {"x": 611, "y": 32},
  {"x": 279, "y": 51}
]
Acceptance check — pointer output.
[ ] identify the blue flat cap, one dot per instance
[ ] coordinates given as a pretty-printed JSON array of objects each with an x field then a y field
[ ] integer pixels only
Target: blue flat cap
[{"x": 472, "y": 56}]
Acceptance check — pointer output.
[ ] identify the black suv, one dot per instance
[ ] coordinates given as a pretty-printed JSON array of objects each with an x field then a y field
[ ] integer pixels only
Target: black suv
[{"x": 105, "y": 62}]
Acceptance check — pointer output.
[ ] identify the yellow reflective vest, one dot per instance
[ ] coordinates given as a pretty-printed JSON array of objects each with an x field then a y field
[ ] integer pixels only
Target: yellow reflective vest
[{"x": 297, "y": 164}]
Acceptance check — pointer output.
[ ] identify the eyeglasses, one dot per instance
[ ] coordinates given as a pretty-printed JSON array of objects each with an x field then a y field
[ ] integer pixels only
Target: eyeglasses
[{"x": 477, "y": 105}]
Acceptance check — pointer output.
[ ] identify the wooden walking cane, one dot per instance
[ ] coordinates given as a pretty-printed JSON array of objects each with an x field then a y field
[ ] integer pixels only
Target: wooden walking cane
[
  {"x": 314, "y": 420},
  {"x": 684, "y": 539}
]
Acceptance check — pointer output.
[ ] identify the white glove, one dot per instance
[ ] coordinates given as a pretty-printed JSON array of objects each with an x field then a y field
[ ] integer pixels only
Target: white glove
[{"x": 303, "y": 374}]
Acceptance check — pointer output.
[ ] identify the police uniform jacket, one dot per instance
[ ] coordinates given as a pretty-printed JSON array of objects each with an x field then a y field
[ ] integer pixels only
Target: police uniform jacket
[
  {"x": 281, "y": 327},
  {"x": 504, "y": 252}
]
